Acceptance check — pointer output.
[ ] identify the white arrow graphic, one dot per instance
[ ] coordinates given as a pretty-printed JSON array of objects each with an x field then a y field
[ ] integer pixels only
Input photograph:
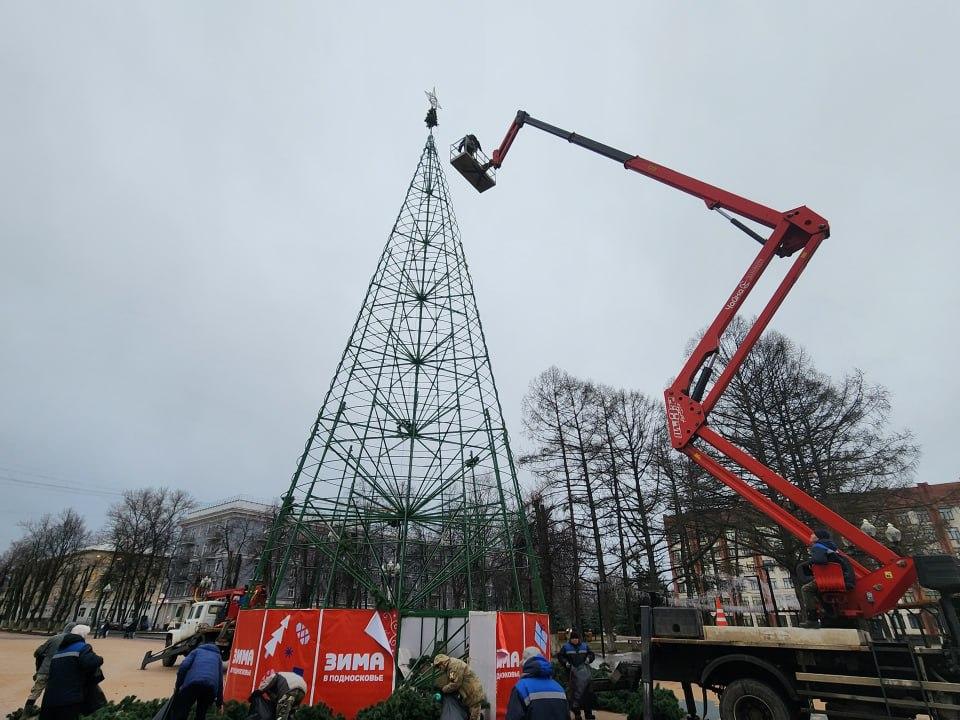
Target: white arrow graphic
[
  {"x": 378, "y": 632},
  {"x": 271, "y": 647}
]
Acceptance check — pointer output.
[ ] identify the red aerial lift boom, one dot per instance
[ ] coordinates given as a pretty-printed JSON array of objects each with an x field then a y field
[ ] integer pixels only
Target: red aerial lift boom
[{"x": 796, "y": 232}]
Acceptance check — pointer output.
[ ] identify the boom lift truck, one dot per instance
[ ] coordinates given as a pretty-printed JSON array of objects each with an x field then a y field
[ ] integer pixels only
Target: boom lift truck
[{"x": 775, "y": 673}]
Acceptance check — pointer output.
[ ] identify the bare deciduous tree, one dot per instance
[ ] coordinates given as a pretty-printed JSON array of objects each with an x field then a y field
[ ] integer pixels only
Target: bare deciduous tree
[
  {"x": 38, "y": 564},
  {"x": 830, "y": 438},
  {"x": 141, "y": 530}
]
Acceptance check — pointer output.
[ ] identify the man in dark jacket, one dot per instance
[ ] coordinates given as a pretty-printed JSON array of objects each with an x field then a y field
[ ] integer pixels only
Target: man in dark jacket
[
  {"x": 43, "y": 655},
  {"x": 823, "y": 550},
  {"x": 74, "y": 674},
  {"x": 576, "y": 657},
  {"x": 200, "y": 681},
  {"x": 537, "y": 696}
]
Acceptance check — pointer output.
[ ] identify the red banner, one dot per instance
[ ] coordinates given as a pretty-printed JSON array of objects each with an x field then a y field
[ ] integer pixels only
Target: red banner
[
  {"x": 515, "y": 632},
  {"x": 244, "y": 654},
  {"x": 351, "y": 669},
  {"x": 346, "y": 657},
  {"x": 355, "y": 667}
]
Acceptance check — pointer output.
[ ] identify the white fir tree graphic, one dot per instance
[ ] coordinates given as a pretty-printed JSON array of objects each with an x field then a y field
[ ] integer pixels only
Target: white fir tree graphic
[{"x": 271, "y": 647}]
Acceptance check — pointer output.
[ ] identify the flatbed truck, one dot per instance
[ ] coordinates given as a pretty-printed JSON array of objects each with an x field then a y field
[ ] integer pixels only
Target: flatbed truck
[{"x": 778, "y": 673}]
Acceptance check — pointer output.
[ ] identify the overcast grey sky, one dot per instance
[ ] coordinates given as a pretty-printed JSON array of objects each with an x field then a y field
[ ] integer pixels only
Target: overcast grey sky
[{"x": 193, "y": 197}]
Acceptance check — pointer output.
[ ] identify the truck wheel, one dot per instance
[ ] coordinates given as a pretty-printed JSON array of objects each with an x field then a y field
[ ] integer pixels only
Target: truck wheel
[
  {"x": 168, "y": 661},
  {"x": 753, "y": 700}
]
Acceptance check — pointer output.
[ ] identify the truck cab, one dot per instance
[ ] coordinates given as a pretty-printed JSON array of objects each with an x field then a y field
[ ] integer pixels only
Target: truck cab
[{"x": 204, "y": 614}]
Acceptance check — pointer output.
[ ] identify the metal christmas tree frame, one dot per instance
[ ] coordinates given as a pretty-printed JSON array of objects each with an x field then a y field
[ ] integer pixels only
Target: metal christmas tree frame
[{"x": 406, "y": 495}]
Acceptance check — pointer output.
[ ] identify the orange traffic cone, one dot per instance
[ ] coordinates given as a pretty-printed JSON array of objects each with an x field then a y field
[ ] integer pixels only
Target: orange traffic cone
[{"x": 721, "y": 616}]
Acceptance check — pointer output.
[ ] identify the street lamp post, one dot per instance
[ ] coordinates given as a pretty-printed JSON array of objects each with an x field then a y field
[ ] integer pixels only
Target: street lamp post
[
  {"x": 768, "y": 565},
  {"x": 390, "y": 569},
  {"x": 603, "y": 644},
  {"x": 105, "y": 589}
]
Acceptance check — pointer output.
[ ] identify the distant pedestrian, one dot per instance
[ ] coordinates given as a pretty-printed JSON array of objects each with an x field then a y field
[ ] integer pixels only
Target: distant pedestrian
[
  {"x": 73, "y": 683},
  {"x": 277, "y": 697},
  {"x": 102, "y": 630},
  {"x": 43, "y": 655},
  {"x": 537, "y": 696},
  {"x": 200, "y": 682}
]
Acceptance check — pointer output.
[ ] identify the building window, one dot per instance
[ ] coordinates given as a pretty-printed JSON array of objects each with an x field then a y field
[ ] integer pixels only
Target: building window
[
  {"x": 82, "y": 611},
  {"x": 775, "y": 584},
  {"x": 788, "y": 582},
  {"x": 946, "y": 513},
  {"x": 954, "y": 534},
  {"x": 914, "y": 621}
]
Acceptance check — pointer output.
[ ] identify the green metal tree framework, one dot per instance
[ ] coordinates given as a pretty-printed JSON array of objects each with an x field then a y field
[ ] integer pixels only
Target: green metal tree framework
[{"x": 406, "y": 495}]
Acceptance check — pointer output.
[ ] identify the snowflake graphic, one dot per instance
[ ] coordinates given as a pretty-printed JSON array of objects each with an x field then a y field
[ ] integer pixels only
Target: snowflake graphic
[{"x": 288, "y": 651}]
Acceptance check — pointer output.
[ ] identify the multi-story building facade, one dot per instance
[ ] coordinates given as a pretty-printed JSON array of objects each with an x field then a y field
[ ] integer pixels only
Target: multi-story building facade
[
  {"x": 106, "y": 597},
  {"x": 218, "y": 547},
  {"x": 755, "y": 590}
]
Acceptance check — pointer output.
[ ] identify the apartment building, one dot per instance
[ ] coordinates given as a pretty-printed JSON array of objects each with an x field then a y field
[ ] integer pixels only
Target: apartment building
[{"x": 218, "y": 547}]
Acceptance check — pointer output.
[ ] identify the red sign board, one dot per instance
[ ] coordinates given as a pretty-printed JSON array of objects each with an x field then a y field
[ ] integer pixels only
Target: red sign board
[
  {"x": 515, "y": 632},
  {"x": 346, "y": 657},
  {"x": 355, "y": 665}
]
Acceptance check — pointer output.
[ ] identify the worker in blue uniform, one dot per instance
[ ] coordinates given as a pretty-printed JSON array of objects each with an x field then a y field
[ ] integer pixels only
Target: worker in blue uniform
[
  {"x": 823, "y": 550},
  {"x": 575, "y": 656},
  {"x": 537, "y": 696}
]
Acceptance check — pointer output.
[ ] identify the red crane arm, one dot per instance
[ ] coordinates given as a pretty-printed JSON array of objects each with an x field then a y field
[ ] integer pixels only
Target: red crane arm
[
  {"x": 795, "y": 230},
  {"x": 713, "y": 196}
]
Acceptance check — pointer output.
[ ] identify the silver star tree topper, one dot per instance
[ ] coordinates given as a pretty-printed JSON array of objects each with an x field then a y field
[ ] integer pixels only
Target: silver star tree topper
[{"x": 432, "y": 97}]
